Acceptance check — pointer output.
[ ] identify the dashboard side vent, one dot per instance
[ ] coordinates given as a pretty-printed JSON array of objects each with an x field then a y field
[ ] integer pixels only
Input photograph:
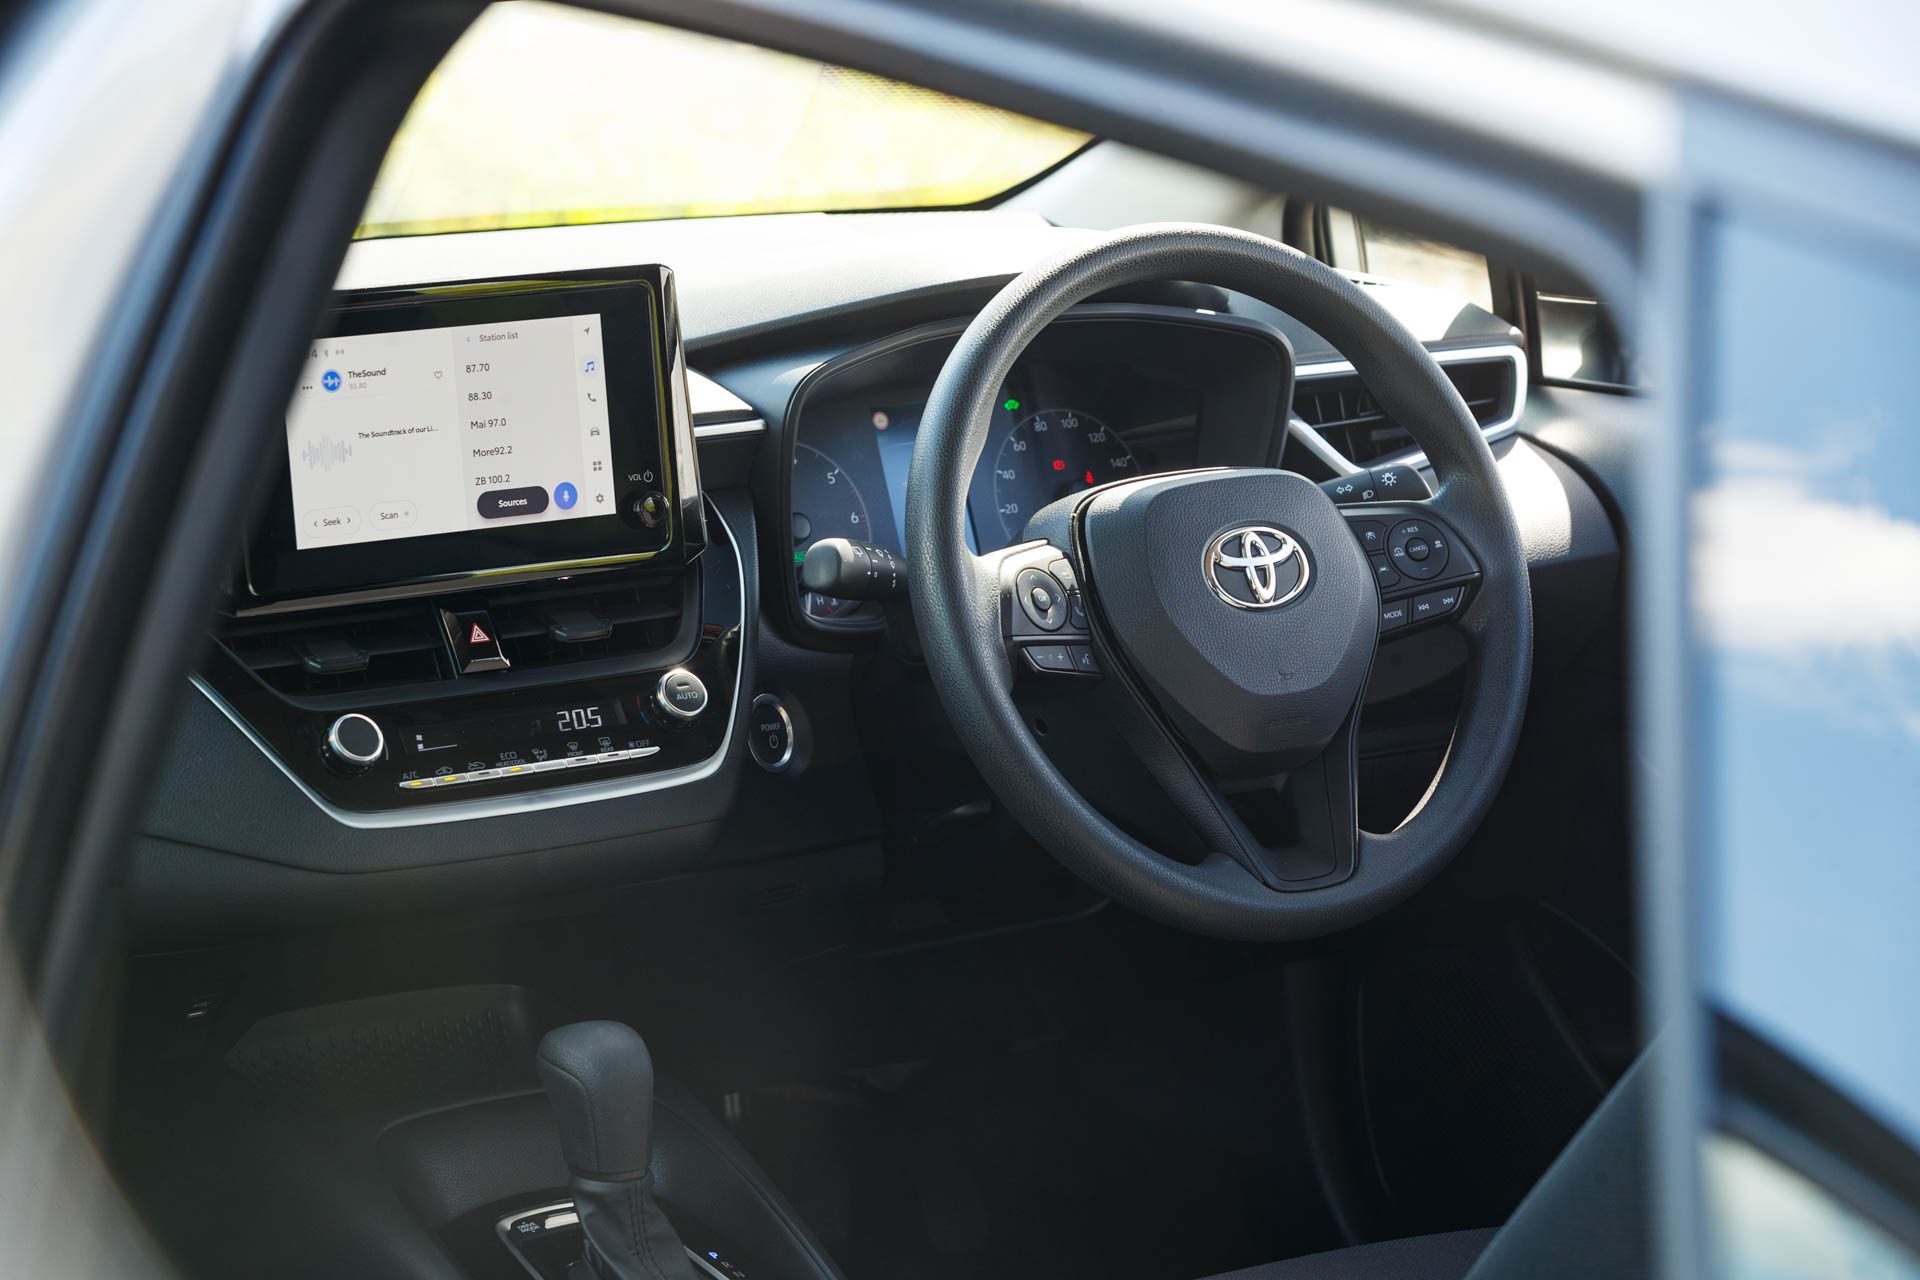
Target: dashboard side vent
[
  {"x": 341, "y": 650},
  {"x": 1346, "y": 415},
  {"x": 580, "y": 620},
  {"x": 345, "y": 650}
]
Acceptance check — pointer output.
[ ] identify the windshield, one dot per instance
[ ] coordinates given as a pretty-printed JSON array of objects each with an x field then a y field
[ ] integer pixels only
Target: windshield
[{"x": 544, "y": 114}]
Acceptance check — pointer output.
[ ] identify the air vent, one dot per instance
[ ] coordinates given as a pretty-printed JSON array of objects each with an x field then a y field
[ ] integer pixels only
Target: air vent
[
  {"x": 578, "y": 621},
  {"x": 598, "y": 617},
  {"x": 1347, "y": 417},
  {"x": 342, "y": 649}
]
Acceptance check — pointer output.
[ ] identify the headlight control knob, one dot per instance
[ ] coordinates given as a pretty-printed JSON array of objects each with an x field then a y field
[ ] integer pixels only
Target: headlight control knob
[
  {"x": 355, "y": 743},
  {"x": 680, "y": 696}
]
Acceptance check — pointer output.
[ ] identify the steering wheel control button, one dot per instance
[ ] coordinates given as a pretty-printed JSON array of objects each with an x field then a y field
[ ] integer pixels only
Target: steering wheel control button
[
  {"x": 1083, "y": 660},
  {"x": 1418, "y": 549},
  {"x": 1371, "y": 534},
  {"x": 680, "y": 695},
  {"x": 1399, "y": 484},
  {"x": 1395, "y": 615},
  {"x": 1041, "y": 598},
  {"x": 1383, "y": 574},
  {"x": 770, "y": 733},
  {"x": 1050, "y": 657},
  {"x": 355, "y": 743},
  {"x": 475, "y": 643},
  {"x": 1436, "y": 604},
  {"x": 1076, "y": 612}
]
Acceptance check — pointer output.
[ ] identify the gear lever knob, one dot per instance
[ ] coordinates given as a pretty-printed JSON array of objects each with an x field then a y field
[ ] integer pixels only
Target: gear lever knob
[{"x": 599, "y": 1080}]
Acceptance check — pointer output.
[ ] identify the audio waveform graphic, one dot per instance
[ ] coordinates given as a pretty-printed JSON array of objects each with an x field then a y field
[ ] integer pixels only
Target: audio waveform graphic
[{"x": 325, "y": 453}]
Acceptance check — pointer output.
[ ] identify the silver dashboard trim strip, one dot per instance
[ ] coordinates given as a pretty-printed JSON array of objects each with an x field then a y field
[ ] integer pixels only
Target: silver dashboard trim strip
[
  {"x": 532, "y": 802},
  {"x": 735, "y": 427},
  {"x": 1496, "y": 430}
]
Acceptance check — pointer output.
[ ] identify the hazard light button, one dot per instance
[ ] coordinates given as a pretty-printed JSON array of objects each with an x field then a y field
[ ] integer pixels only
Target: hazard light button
[{"x": 475, "y": 644}]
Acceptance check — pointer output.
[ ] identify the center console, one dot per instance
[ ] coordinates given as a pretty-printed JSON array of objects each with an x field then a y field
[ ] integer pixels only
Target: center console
[{"x": 485, "y": 578}]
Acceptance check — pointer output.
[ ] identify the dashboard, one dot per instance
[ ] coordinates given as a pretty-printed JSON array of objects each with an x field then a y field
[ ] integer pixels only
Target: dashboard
[
  {"x": 820, "y": 339},
  {"x": 1107, "y": 393}
]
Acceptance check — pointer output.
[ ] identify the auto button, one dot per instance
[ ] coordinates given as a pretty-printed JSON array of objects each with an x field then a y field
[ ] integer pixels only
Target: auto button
[{"x": 680, "y": 695}]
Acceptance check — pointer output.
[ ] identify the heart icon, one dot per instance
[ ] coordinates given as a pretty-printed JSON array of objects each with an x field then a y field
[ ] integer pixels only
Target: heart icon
[{"x": 436, "y": 374}]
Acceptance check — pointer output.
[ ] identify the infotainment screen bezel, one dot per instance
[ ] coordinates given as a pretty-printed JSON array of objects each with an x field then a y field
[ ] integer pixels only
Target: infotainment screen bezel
[{"x": 652, "y": 445}]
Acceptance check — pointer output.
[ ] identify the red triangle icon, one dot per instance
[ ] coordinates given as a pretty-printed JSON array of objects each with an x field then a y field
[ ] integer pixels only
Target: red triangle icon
[{"x": 479, "y": 635}]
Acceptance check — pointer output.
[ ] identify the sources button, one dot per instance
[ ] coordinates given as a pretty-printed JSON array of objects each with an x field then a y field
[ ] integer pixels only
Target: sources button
[{"x": 504, "y": 504}]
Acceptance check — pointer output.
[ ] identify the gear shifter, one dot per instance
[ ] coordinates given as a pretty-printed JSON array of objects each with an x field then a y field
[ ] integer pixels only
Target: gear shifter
[{"x": 599, "y": 1080}]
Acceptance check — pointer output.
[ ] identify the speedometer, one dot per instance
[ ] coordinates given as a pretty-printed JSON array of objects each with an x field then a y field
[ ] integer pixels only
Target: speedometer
[
  {"x": 1050, "y": 454},
  {"x": 825, "y": 505}
]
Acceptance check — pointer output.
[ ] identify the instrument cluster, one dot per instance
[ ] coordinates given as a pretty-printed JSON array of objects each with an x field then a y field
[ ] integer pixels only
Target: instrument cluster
[{"x": 1098, "y": 398}]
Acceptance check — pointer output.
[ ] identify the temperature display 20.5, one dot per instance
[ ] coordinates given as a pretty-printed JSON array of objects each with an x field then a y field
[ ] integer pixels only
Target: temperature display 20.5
[{"x": 567, "y": 730}]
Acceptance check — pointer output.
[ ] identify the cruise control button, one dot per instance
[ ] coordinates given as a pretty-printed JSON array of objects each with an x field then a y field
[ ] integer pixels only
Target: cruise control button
[
  {"x": 1049, "y": 657},
  {"x": 1417, "y": 548},
  {"x": 1383, "y": 574},
  {"x": 504, "y": 504},
  {"x": 1371, "y": 534}
]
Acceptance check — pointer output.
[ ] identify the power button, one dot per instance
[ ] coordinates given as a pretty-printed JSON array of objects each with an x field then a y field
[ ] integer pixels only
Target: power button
[{"x": 680, "y": 694}]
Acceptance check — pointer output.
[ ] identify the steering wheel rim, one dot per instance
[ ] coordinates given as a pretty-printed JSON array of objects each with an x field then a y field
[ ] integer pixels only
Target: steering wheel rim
[{"x": 959, "y": 606}]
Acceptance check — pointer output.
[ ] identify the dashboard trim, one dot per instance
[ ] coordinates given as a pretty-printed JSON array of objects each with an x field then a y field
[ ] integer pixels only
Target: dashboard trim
[
  {"x": 1497, "y": 430},
  {"x": 534, "y": 801}
]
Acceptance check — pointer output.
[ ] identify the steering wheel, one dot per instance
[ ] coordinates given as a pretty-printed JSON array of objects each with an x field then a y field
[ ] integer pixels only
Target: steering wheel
[{"x": 1232, "y": 617}]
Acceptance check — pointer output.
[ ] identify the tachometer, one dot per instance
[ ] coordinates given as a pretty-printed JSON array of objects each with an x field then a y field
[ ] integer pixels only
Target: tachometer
[
  {"x": 1050, "y": 454},
  {"x": 826, "y": 504}
]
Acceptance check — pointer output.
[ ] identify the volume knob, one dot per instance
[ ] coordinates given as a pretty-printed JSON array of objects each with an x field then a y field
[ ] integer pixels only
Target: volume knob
[{"x": 355, "y": 743}]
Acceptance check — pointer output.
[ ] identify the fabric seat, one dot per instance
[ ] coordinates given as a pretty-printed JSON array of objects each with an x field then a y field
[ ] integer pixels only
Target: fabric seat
[{"x": 1586, "y": 1219}]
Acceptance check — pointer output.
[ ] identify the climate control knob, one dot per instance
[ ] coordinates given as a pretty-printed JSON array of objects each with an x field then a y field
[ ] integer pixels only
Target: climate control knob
[
  {"x": 355, "y": 743},
  {"x": 680, "y": 696}
]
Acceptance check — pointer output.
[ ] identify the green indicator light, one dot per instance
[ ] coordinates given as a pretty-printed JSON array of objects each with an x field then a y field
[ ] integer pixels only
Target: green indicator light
[
  {"x": 799, "y": 557},
  {"x": 1012, "y": 405}
]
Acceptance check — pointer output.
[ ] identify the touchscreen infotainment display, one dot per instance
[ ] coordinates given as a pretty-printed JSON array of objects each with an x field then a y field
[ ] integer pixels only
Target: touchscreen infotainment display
[
  {"x": 526, "y": 426},
  {"x": 425, "y": 431}
]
